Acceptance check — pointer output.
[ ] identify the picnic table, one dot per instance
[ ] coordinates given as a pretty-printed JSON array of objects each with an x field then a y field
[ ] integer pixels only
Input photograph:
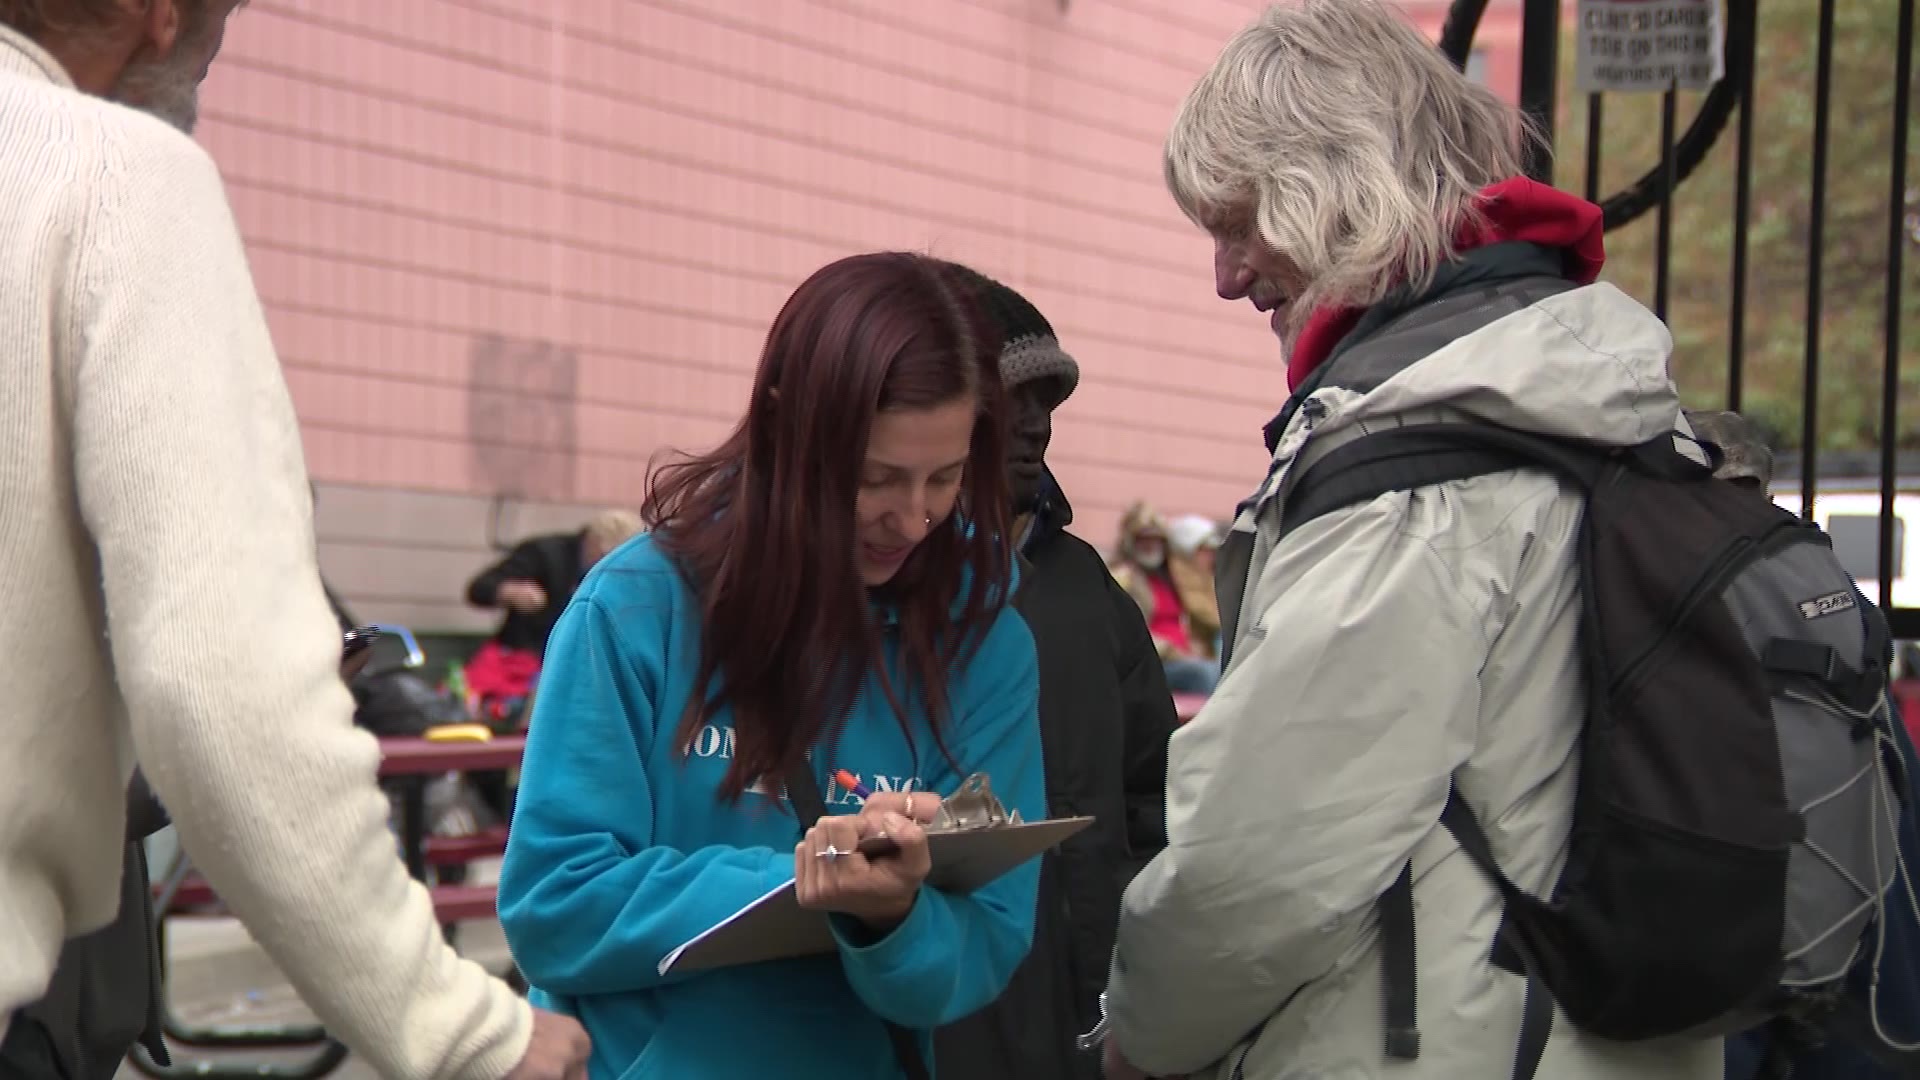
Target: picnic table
[
  {"x": 415, "y": 761},
  {"x": 412, "y": 762}
]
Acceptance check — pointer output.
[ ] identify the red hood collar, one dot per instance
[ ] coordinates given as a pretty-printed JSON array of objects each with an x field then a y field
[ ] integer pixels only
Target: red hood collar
[{"x": 1518, "y": 209}]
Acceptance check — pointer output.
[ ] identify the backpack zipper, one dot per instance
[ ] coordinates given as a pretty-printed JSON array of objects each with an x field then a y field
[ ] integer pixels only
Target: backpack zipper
[
  {"x": 1730, "y": 562},
  {"x": 1723, "y": 569}
]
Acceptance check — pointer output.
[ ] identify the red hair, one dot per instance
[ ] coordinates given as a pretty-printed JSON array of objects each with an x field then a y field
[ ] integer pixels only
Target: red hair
[{"x": 763, "y": 526}]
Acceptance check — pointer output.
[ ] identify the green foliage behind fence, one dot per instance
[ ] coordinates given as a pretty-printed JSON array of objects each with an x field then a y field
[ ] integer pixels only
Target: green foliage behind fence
[{"x": 1855, "y": 264}]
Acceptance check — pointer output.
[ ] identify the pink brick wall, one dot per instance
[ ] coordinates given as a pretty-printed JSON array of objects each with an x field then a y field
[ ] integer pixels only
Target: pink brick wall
[{"x": 519, "y": 246}]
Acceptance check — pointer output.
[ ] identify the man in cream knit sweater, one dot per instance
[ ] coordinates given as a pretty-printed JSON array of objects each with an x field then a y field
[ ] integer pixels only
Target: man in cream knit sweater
[{"x": 160, "y": 595}]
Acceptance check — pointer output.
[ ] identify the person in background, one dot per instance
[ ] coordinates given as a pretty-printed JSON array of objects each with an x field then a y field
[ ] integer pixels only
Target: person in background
[
  {"x": 1196, "y": 538},
  {"x": 827, "y": 590},
  {"x": 1105, "y": 717},
  {"x": 1193, "y": 542},
  {"x": 1369, "y": 199},
  {"x": 159, "y": 572},
  {"x": 1178, "y": 603},
  {"x": 533, "y": 585}
]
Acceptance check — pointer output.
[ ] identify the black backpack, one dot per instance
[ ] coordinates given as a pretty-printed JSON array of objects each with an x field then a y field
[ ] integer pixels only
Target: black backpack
[{"x": 1733, "y": 830}]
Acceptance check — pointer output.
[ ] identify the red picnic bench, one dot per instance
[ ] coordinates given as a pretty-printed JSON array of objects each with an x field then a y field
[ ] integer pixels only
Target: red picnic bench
[
  {"x": 417, "y": 759},
  {"x": 185, "y": 893}
]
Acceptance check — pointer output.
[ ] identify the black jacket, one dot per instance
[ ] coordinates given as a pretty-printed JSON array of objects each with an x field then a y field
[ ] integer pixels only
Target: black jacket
[
  {"x": 554, "y": 562},
  {"x": 1105, "y": 717}
]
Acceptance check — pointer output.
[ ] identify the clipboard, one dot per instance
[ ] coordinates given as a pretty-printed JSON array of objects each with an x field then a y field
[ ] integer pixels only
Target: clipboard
[{"x": 776, "y": 927}]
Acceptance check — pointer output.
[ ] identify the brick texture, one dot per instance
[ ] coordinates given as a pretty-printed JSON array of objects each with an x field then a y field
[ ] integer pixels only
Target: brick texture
[{"x": 513, "y": 249}]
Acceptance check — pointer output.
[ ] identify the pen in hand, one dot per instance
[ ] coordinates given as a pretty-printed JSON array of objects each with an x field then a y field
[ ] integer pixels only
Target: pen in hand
[
  {"x": 872, "y": 847},
  {"x": 852, "y": 783}
]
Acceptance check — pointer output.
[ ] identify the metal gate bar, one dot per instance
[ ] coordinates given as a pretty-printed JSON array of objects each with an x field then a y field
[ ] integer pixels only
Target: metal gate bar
[
  {"x": 1896, "y": 288},
  {"x": 1743, "y": 49},
  {"x": 1539, "y": 80},
  {"x": 1663, "y": 221},
  {"x": 1816, "y": 261}
]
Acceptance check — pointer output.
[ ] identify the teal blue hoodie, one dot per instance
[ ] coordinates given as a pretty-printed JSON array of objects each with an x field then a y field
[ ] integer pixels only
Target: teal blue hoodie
[{"x": 622, "y": 849}]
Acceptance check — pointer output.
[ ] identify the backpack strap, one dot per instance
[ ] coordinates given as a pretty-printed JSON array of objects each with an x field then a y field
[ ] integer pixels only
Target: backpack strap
[
  {"x": 1397, "y": 957},
  {"x": 1402, "y": 459},
  {"x": 809, "y": 806},
  {"x": 1420, "y": 455},
  {"x": 1536, "y": 1010}
]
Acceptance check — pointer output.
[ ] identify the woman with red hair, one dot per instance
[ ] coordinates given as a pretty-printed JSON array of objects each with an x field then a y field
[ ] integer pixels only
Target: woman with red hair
[{"x": 829, "y": 589}]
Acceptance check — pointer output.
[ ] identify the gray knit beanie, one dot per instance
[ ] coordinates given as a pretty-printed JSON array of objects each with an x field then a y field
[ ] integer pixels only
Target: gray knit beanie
[{"x": 1030, "y": 351}]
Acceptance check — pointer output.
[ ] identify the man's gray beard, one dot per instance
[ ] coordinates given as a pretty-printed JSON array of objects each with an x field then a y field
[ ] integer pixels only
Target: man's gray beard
[{"x": 165, "y": 88}]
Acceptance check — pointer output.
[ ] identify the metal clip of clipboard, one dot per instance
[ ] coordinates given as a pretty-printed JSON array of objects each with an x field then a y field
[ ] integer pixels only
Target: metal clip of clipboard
[{"x": 972, "y": 806}]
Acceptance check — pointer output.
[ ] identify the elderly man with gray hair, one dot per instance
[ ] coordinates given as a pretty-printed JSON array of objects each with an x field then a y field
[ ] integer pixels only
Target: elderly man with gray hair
[{"x": 1369, "y": 198}]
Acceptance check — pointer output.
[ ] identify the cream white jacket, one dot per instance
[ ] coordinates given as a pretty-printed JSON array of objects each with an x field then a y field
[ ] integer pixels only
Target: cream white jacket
[{"x": 159, "y": 596}]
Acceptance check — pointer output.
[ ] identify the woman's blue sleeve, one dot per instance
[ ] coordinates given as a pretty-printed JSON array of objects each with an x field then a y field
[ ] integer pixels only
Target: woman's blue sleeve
[
  {"x": 955, "y": 953},
  {"x": 589, "y": 903}
]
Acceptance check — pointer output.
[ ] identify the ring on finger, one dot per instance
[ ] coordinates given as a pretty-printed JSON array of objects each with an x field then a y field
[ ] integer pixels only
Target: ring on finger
[{"x": 830, "y": 850}]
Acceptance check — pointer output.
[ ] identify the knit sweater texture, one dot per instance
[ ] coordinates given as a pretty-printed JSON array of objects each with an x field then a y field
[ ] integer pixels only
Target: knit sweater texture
[{"x": 162, "y": 599}]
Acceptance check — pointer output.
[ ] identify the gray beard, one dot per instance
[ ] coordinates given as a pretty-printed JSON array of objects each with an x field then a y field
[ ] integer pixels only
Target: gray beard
[{"x": 168, "y": 89}]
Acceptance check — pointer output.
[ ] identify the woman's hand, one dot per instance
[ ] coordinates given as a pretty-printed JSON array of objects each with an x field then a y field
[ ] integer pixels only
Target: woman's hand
[
  {"x": 921, "y": 806},
  {"x": 879, "y": 891}
]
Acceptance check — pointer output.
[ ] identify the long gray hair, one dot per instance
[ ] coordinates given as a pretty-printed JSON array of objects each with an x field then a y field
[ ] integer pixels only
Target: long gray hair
[{"x": 1341, "y": 137}]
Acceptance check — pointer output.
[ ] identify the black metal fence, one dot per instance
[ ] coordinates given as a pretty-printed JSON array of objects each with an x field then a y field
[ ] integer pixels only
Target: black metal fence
[{"x": 1680, "y": 155}]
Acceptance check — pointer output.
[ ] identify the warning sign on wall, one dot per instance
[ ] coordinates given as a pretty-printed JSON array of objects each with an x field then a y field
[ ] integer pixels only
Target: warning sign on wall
[{"x": 1649, "y": 45}]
